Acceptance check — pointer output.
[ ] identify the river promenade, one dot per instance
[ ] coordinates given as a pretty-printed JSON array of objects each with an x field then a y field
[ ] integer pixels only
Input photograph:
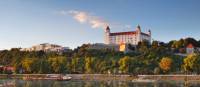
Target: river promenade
[
  {"x": 109, "y": 77},
  {"x": 103, "y": 77},
  {"x": 171, "y": 77}
]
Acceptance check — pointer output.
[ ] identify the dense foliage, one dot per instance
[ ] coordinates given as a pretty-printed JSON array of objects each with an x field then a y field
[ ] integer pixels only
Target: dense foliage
[{"x": 155, "y": 58}]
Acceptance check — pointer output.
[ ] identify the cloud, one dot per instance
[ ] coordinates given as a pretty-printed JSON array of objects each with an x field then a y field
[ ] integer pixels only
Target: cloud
[
  {"x": 94, "y": 21},
  {"x": 84, "y": 17},
  {"x": 81, "y": 17}
]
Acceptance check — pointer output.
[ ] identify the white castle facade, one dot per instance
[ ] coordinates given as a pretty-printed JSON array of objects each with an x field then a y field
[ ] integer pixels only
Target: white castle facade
[{"x": 131, "y": 37}]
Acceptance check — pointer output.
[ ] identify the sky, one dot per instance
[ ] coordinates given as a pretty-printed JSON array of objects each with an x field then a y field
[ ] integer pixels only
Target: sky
[{"x": 71, "y": 23}]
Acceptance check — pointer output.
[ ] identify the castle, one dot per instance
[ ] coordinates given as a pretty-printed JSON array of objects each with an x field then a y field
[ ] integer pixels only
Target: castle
[{"x": 131, "y": 37}]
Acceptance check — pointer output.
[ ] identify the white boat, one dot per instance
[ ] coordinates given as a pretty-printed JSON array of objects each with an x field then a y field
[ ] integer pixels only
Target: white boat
[
  {"x": 59, "y": 77},
  {"x": 49, "y": 77},
  {"x": 66, "y": 78},
  {"x": 144, "y": 80}
]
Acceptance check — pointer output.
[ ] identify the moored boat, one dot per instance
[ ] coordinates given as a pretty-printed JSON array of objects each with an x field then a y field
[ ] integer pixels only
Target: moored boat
[
  {"x": 49, "y": 77},
  {"x": 144, "y": 80},
  {"x": 65, "y": 78}
]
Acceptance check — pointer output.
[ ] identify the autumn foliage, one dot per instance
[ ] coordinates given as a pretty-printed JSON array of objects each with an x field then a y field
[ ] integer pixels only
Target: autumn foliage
[{"x": 165, "y": 64}]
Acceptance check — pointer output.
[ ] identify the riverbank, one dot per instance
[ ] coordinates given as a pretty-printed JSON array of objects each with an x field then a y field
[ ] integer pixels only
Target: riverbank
[
  {"x": 171, "y": 77},
  {"x": 100, "y": 77},
  {"x": 110, "y": 77}
]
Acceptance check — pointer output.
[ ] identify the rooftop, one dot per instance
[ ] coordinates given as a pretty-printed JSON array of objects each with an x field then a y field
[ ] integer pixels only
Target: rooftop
[
  {"x": 126, "y": 33},
  {"x": 190, "y": 46}
]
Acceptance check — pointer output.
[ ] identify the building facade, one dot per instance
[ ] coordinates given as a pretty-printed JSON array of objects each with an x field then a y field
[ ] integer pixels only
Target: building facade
[
  {"x": 131, "y": 37},
  {"x": 46, "y": 47},
  {"x": 190, "y": 49}
]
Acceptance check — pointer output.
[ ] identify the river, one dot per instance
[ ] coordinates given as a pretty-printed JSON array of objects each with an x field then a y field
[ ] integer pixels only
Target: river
[{"x": 81, "y": 83}]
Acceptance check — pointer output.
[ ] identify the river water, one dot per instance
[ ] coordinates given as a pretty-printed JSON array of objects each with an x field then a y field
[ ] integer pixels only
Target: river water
[{"x": 81, "y": 83}]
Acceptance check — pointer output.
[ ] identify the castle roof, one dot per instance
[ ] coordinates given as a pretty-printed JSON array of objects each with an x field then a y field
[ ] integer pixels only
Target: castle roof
[
  {"x": 126, "y": 33},
  {"x": 107, "y": 28},
  {"x": 190, "y": 46},
  {"x": 123, "y": 33}
]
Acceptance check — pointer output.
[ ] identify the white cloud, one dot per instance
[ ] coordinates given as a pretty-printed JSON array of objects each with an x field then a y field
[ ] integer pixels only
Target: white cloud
[
  {"x": 84, "y": 17},
  {"x": 92, "y": 20},
  {"x": 97, "y": 23},
  {"x": 81, "y": 17}
]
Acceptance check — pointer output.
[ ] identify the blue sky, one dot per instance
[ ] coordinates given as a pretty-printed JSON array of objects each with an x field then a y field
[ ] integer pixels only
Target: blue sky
[{"x": 24, "y": 23}]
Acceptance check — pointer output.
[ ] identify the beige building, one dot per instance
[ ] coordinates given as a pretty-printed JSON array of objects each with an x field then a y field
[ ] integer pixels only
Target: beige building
[{"x": 46, "y": 47}]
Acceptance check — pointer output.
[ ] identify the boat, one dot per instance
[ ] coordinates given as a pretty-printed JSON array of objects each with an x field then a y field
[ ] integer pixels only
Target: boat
[
  {"x": 144, "y": 80},
  {"x": 49, "y": 77},
  {"x": 65, "y": 78}
]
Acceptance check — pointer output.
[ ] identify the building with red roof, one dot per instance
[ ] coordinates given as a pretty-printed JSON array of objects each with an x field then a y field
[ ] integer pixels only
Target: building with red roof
[
  {"x": 130, "y": 37},
  {"x": 190, "y": 49},
  {"x": 7, "y": 69}
]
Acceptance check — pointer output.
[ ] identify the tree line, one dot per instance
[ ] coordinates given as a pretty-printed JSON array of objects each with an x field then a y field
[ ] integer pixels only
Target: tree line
[{"x": 147, "y": 58}]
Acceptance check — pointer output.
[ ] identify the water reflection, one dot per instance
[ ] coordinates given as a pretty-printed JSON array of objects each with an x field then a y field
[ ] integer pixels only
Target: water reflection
[
  {"x": 7, "y": 83},
  {"x": 79, "y": 83}
]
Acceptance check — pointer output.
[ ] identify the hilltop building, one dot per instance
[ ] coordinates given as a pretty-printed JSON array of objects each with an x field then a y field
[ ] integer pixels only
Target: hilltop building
[
  {"x": 122, "y": 39},
  {"x": 131, "y": 37},
  {"x": 190, "y": 49},
  {"x": 46, "y": 47}
]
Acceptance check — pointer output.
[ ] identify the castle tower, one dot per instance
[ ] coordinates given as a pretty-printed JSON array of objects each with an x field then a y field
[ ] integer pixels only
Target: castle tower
[
  {"x": 149, "y": 32},
  {"x": 138, "y": 30},
  {"x": 107, "y": 35}
]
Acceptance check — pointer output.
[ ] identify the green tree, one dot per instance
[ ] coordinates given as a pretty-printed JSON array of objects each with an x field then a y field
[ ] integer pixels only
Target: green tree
[
  {"x": 126, "y": 64},
  {"x": 43, "y": 66},
  {"x": 28, "y": 65},
  {"x": 155, "y": 44},
  {"x": 77, "y": 65},
  {"x": 58, "y": 64},
  {"x": 192, "y": 63},
  {"x": 89, "y": 62},
  {"x": 143, "y": 46}
]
